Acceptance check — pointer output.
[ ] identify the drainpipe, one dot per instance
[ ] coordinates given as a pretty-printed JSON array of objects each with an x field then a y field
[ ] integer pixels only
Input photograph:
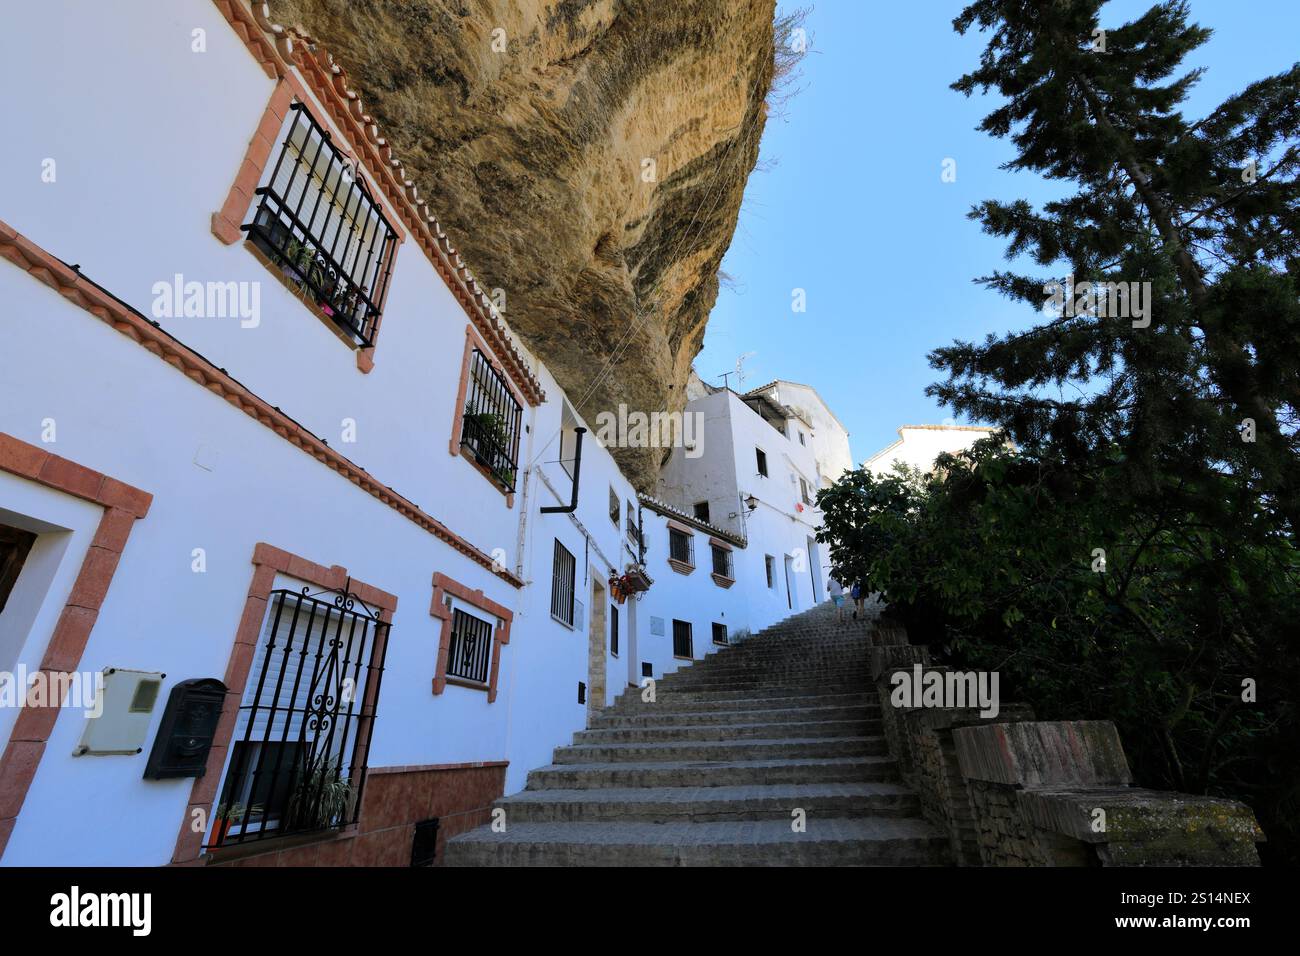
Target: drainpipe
[{"x": 572, "y": 506}]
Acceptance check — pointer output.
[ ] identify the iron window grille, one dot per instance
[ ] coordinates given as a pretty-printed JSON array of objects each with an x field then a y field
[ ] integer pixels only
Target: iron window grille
[
  {"x": 683, "y": 646},
  {"x": 681, "y": 546},
  {"x": 613, "y": 506},
  {"x": 721, "y": 561},
  {"x": 769, "y": 564},
  {"x": 720, "y": 634},
  {"x": 298, "y": 760},
  {"x": 563, "y": 579},
  {"x": 318, "y": 222},
  {"x": 490, "y": 426},
  {"x": 613, "y": 629},
  {"x": 470, "y": 649}
]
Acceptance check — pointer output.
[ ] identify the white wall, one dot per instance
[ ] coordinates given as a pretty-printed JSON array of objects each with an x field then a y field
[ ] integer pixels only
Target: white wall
[
  {"x": 148, "y": 141},
  {"x": 827, "y": 437},
  {"x": 919, "y": 445}
]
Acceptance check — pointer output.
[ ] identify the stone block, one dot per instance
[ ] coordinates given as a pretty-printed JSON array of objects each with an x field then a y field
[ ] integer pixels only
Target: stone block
[{"x": 1039, "y": 754}]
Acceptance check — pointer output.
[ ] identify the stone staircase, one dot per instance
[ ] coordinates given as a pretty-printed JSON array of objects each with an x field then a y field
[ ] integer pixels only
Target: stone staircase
[{"x": 712, "y": 771}]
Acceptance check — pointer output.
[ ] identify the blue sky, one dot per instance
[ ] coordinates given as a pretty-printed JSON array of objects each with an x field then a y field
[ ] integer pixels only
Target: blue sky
[{"x": 853, "y": 210}]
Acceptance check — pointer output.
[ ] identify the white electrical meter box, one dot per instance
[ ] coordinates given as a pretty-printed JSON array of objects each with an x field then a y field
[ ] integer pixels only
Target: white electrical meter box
[{"x": 118, "y": 722}]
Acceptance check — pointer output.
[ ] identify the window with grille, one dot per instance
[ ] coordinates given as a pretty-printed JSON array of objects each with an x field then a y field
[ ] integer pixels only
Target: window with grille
[
  {"x": 683, "y": 646},
  {"x": 490, "y": 428},
  {"x": 317, "y": 222},
  {"x": 470, "y": 651},
  {"x": 720, "y": 634},
  {"x": 613, "y": 629},
  {"x": 760, "y": 457},
  {"x": 681, "y": 546},
  {"x": 769, "y": 563},
  {"x": 721, "y": 561},
  {"x": 303, "y": 728},
  {"x": 563, "y": 579},
  {"x": 803, "y": 491},
  {"x": 702, "y": 510},
  {"x": 614, "y": 506}
]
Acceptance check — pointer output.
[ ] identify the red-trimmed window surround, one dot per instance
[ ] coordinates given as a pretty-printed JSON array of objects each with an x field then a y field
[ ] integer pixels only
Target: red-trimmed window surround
[
  {"x": 681, "y": 547},
  {"x": 122, "y": 505},
  {"x": 445, "y": 588},
  {"x": 724, "y": 570},
  {"x": 267, "y": 562},
  {"x": 488, "y": 421},
  {"x": 335, "y": 255}
]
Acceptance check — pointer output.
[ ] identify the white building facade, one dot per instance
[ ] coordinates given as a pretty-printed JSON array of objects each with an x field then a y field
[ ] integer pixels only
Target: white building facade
[
  {"x": 756, "y": 476},
  {"x": 919, "y": 445},
  {"x": 279, "y": 485}
]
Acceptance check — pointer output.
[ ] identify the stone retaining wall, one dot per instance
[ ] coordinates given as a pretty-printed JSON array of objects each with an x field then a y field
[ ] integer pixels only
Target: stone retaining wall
[{"x": 1010, "y": 790}]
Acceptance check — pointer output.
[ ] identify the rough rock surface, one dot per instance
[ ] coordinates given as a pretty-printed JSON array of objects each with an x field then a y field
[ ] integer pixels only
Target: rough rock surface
[{"x": 535, "y": 161}]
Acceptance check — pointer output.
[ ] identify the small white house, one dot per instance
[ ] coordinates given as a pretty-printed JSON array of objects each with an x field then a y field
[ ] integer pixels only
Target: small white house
[
  {"x": 919, "y": 445},
  {"x": 756, "y": 476}
]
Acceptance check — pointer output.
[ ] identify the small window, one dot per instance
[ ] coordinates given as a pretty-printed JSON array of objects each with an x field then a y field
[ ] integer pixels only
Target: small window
[
  {"x": 769, "y": 563},
  {"x": 614, "y": 505},
  {"x": 803, "y": 491},
  {"x": 801, "y": 441},
  {"x": 317, "y": 222},
  {"x": 471, "y": 647},
  {"x": 490, "y": 428},
  {"x": 702, "y": 511},
  {"x": 563, "y": 578},
  {"x": 613, "y": 629},
  {"x": 761, "y": 457},
  {"x": 683, "y": 645},
  {"x": 681, "y": 546},
  {"x": 721, "y": 561},
  {"x": 633, "y": 530},
  {"x": 720, "y": 634}
]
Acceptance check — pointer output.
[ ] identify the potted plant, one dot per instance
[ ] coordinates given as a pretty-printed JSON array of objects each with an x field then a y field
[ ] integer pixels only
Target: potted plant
[
  {"x": 323, "y": 796},
  {"x": 232, "y": 814}
]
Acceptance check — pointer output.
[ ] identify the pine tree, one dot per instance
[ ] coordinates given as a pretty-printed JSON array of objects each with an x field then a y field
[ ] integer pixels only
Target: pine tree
[{"x": 1203, "y": 211}]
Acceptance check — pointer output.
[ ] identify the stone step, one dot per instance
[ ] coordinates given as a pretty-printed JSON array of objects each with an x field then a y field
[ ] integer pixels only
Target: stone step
[
  {"x": 857, "y": 678},
  {"x": 741, "y": 667},
  {"x": 858, "y": 727},
  {"x": 868, "y": 842},
  {"x": 652, "y": 717},
  {"x": 631, "y": 702},
  {"x": 755, "y": 749},
  {"x": 708, "y": 804},
  {"x": 719, "y": 773},
  {"x": 764, "y": 692}
]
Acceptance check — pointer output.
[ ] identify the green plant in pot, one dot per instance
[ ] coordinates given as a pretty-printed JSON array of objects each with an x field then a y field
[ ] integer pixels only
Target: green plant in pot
[
  {"x": 233, "y": 814},
  {"x": 323, "y": 796}
]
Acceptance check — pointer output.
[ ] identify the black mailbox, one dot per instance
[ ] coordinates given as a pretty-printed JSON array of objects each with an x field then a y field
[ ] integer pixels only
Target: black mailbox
[{"x": 188, "y": 725}]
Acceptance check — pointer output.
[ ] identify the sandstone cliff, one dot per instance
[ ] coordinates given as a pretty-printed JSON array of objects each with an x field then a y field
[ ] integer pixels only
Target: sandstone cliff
[{"x": 536, "y": 160}]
